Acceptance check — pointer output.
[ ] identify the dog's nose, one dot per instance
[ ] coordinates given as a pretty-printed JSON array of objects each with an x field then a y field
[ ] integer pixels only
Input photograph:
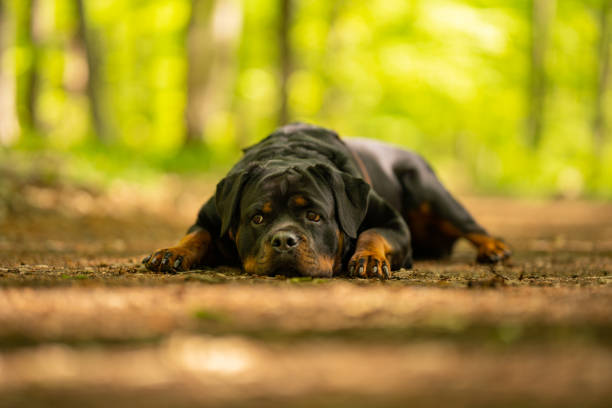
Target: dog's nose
[{"x": 284, "y": 241}]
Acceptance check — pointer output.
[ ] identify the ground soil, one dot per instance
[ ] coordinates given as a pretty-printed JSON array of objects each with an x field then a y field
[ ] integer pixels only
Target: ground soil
[{"x": 83, "y": 324}]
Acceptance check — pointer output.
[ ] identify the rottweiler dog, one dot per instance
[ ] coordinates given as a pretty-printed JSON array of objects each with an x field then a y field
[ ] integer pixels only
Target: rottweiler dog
[{"x": 303, "y": 202}]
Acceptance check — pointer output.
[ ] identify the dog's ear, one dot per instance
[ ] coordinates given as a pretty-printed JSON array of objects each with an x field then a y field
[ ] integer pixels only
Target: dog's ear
[
  {"x": 227, "y": 198},
  {"x": 350, "y": 195}
]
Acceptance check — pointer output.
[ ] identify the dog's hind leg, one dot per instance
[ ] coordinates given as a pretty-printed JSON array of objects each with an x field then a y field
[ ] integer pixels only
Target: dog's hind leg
[{"x": 436, "y": 219}]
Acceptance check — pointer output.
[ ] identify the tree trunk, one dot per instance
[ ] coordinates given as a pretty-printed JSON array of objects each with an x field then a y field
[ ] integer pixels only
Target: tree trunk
[
  {"x": 199, "y": 67},
  {"x": 603, "y": 73},
  {"x": 101, "y": 118},
  {"x": 9, "y": 124},
  {"x": 27, "y": 64},
  {"x": 212, "y": 63},
  {"x": 542, "y": 13},
  {"x": 285, "y": 59}
]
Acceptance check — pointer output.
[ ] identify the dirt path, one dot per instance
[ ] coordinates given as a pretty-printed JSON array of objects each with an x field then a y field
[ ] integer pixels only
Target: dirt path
[{"x": 83, "y": 324}]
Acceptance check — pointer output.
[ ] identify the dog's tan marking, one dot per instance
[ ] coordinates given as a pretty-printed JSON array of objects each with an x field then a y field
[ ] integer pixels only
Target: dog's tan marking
[
  {"x": 300, "y": 201},
  {"x": 196, "y": 241},
  {"x": 371, "y": 243},
  {"x": 489, "y": 249},
  {"x": 249, "y": 265},
  {"x": 267, "y": 208},
  {"x": 190, "y": 251},
  {"x": 371, "y": 257},
  {"x": 327, "y": 264},
  {"x": 338, "y": 260}
]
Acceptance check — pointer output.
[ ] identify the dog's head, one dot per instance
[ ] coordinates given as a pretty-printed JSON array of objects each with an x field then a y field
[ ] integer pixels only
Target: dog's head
[{"x": 291, "y": 220}]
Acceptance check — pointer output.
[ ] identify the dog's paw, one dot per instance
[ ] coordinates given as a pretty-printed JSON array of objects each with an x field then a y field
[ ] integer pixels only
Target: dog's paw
[
  {"x": 170, "y": 260},
  {"x": 368, "y": 264},
  {"x": 492, "y": 250}
]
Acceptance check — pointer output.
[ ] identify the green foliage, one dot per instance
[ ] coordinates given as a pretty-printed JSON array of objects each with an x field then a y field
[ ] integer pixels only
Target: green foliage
[{"x": 448, "y": 78}]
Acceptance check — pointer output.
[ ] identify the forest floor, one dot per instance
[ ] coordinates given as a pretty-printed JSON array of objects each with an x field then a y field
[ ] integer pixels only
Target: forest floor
[{"x": 83, "y": 324}]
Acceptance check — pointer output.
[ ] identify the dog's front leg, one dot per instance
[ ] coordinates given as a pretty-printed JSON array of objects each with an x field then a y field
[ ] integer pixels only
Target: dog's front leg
[
  {"x": 383, "y": 243},
  {"x": 190, "y": 250}
]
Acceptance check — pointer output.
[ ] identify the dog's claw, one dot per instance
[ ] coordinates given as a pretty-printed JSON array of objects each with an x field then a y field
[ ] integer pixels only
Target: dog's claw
[
  {"x": 169, "y": 260},
  {"x": 492, "y": 250},
  {"x": 178, "y": 262},
  {"x": 166, "y": 258},
  {"x": 155, "y": 261},
  {"x": 368, "y": 266},
  {"x": 361, "y": 271},
  {"x": 386, "y": 271}
]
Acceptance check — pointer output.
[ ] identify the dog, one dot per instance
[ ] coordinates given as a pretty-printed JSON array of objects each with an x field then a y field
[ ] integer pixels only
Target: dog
[{"x": 303, "y": 202}]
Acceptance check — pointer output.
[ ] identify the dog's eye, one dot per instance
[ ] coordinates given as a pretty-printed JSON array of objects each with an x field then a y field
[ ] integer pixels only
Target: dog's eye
[
  {"x": 257, "y": 219},
  {"x": 312, "y": 216}
]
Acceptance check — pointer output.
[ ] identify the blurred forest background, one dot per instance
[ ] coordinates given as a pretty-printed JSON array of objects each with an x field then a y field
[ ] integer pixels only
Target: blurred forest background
[{"x": 502, "y": 96}]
